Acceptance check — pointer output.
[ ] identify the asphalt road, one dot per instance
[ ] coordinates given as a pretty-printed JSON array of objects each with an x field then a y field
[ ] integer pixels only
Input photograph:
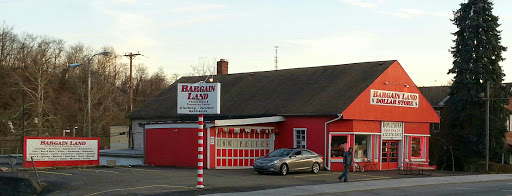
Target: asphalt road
[
  {"x": 494, "y": 188},
  {"x": 182, "y": 181}
]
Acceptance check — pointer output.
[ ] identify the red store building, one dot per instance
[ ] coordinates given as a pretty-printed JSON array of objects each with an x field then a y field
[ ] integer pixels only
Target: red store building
[{"x": 373, "y": 107}]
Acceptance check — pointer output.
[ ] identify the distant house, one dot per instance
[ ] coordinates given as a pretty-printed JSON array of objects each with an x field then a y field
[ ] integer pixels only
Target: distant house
[
  {"x": 373, "y": 107},
  {"x": 438, "y": 96}
]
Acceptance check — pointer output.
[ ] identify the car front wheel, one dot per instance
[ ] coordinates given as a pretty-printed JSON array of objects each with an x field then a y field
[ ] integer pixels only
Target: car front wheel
[
  {"x": 315, "y": 168},
  {"x": 283, "y": 170}
]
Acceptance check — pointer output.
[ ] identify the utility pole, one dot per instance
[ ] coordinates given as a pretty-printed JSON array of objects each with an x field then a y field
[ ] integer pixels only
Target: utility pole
[
  {"x": 487, "y": 127},
  {"x": 131, "y": 56},
  {"x": 275, "y": 59}
]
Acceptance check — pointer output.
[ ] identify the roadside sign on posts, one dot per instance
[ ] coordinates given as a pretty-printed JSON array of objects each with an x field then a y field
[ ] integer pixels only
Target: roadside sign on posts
[{"x": 198, "y": 98}]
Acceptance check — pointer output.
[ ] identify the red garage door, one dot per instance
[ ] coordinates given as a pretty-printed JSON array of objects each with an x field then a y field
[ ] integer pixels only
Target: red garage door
[
  {"x": 171, "y": 147},
  {"x": 239, "y": 149}
]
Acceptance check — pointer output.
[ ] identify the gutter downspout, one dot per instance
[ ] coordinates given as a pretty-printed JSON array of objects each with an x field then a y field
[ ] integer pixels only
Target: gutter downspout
[{"x": 325, "y": 140}]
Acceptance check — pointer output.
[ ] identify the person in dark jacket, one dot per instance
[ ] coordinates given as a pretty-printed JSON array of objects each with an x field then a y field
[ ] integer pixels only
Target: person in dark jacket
[{"x": 347, "y": 162}]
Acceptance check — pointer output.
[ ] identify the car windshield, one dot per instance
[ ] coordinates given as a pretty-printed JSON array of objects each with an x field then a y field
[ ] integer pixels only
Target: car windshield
[{"x": 280, "y": 153}]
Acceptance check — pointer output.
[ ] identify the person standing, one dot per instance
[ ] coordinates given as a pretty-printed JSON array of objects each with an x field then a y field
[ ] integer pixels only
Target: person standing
[{"x": 347, "y": 162}]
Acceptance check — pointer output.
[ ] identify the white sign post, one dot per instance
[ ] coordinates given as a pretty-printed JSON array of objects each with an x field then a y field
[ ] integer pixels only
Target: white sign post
[{"x": 199, "y": 98}]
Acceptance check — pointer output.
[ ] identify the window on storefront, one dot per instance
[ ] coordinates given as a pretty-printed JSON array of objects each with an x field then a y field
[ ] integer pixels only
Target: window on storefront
[
  {"x": 362, "y": 147},
  {"x": 509, "y": 123},
  {"x": 377, "y": 142},
  {"x": 406, "y": 148},
  {"x": 339, "y": 144},
  {"x": 418, "y": 148},
  {"x": 299, "y": 138}
]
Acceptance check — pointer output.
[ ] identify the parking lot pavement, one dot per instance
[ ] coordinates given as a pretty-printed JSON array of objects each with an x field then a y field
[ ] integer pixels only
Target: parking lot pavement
[{"x": 182, "y": 181}]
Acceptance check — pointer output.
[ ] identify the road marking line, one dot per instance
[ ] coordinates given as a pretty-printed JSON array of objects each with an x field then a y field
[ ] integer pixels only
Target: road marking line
[
  {"x": 48, "y": 172},
  {"x": 376, "y": 178},
  {"x": 465, "y": 188},
  {"x": 312, "y": 175},
  {"x": 145, "y": 170},
  {"x": 142, "y": 187},
  {"x": 106, "y": 171},
  {"x": 365, "y": 175}
]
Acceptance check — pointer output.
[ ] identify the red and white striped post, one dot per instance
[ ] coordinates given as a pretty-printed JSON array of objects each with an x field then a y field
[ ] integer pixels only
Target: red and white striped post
[{"x": 200, "y": 153}]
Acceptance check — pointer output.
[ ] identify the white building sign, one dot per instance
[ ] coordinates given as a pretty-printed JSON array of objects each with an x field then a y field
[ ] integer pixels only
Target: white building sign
[
  {"x": 392, "y": 130},
  {"x": 242, "y": 143},
  {"x": 393, "y": 98},
  {"x": 61, "y": 150},
  {"x": 199, "y": 98}
]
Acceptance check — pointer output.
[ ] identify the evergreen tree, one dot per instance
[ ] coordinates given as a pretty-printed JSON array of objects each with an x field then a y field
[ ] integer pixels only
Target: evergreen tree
[{"x": 476, "y": 56}]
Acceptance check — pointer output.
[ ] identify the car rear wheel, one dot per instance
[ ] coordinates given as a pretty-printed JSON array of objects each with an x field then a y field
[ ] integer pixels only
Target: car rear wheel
[
  {"x": 283, "y": 170},
  {"x": 260, "y": 172},
  {"x": 315, "y": 168}
]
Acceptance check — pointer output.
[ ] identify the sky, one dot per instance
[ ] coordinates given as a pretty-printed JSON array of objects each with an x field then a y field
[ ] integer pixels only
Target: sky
[{"x": 173, "y": 35}]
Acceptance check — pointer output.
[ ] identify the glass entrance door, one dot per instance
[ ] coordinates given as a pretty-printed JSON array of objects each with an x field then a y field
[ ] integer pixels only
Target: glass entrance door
[{"x": 389, "y": 154}]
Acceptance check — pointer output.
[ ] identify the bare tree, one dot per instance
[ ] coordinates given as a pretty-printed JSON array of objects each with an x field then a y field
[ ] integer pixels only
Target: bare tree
[
  {"x": 39, "y": 58},
  {"x": 204, "y": 66}
]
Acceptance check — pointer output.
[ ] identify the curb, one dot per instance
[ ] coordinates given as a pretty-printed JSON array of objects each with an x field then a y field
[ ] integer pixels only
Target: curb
[{"x": 372, "y": 185}]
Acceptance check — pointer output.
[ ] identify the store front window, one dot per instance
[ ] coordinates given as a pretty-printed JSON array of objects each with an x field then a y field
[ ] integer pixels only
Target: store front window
[
  {"x": 418, "y": 148},
  {"x": 377, "y": 142},
  {"x": 363, "y": 147},
  {"x": 339, "y": 144},
  {"x": 299, "y": 139}
]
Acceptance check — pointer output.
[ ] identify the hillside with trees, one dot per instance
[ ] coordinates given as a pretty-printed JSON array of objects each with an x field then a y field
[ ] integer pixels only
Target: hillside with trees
[{"x": 40, "y": 95}]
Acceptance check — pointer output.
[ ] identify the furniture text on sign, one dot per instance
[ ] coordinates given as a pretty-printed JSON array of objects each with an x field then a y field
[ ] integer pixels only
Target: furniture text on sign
[
  {"x": 393, "y": 98},
  {"x": 392, "y": 130},
  {"x": 199, "y": 98}
]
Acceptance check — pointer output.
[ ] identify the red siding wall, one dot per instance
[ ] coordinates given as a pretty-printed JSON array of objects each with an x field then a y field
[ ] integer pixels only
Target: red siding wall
[
  {"x": 314, "y": 135},
  {"x": 367, "y": 126},
  {"x": 341, "y": 126},
  {"x": 172, "y": 147},
  {"x": 210, "y": 148},
  {"x": 393, "y": 79},
  {"x": 417, "y": 128}
]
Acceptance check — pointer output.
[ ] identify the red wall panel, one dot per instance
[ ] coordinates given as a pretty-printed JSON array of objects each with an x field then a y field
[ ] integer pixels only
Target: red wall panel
[
  {"x": 172, "y": 147},
  {"x": 367, "y": 126},
  {"x": 341, "y": 126},
  {"x": 314, "y": 135},
  {"x": 393, "y": 79},
  {"x": 417, "y": 128}
]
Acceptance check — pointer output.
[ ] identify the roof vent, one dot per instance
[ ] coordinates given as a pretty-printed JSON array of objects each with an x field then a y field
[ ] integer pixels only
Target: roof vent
[{"x": 381, "y": 62}]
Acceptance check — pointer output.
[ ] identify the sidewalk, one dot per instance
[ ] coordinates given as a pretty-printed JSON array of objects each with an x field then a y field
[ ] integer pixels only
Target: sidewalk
[{"x": 369, "y": 185}]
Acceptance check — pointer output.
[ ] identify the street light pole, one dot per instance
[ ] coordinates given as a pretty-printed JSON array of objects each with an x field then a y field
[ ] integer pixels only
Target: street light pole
[
  {"x": 104, "y": 53},
  {"x": 89, "y": 97}
]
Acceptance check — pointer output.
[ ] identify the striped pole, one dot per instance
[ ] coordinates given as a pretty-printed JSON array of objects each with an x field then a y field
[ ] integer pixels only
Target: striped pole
[{"x": 200, "y": 153}]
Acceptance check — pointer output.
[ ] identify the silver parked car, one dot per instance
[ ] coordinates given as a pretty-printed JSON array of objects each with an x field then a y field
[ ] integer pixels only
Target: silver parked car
[{"x": 289, "y": 160}]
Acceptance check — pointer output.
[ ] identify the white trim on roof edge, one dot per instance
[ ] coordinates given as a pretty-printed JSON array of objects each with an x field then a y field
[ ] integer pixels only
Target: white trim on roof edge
[
  {"x": 170, "y": 125},
  {"x": 248, "y": 121}
]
